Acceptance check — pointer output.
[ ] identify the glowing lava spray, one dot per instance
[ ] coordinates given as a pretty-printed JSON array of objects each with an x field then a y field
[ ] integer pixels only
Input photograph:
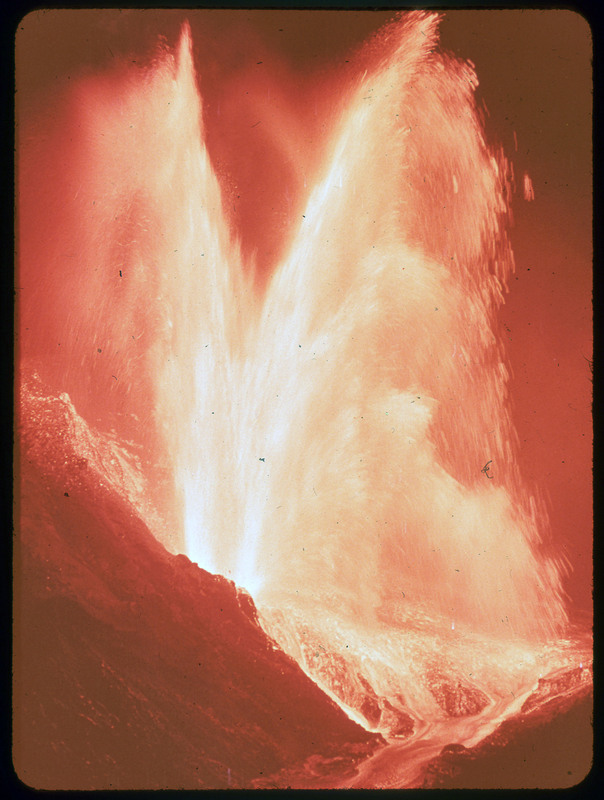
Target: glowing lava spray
[{"x": 327, "y": 433}]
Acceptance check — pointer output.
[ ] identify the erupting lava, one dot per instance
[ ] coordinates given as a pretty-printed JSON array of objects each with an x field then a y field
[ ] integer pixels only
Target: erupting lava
[{"x": 333, "y": 431}]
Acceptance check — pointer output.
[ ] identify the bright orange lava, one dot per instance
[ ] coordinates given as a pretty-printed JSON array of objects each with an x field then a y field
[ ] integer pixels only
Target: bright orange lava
[{"x": 326, "y": 418}]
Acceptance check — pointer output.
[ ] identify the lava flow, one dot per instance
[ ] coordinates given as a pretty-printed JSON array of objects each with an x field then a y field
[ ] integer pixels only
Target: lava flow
[{"x": 331, "y": 431}]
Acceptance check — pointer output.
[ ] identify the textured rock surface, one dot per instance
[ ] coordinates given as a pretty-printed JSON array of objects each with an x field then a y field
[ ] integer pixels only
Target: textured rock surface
[
  {"x": 454, "y": 697},
  {"x": 135, "y": 669}
]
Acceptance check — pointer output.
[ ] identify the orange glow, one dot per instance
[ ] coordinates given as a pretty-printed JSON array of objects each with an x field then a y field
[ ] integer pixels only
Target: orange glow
[
  {"x": 330, "y": 406},
  {"x": 314, "y": 401},
  {"x": 527, "y": 185}
]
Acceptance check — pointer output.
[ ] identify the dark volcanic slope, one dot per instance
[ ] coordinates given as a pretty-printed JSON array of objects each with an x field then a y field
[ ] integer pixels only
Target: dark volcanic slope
[{"x": 133, "y": 667}]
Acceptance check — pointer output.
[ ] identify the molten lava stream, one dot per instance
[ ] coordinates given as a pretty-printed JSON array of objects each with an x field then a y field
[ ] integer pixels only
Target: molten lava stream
[
  {"x": 422, "y": 686},
  {"x": 318, "y": 436},
  {"x": 400, "y": 765}
]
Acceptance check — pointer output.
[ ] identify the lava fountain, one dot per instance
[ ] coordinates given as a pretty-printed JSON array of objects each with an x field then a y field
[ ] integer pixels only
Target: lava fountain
[
  {"x": 328, "y": 434},
  {"x": 336, "y": 438}
]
